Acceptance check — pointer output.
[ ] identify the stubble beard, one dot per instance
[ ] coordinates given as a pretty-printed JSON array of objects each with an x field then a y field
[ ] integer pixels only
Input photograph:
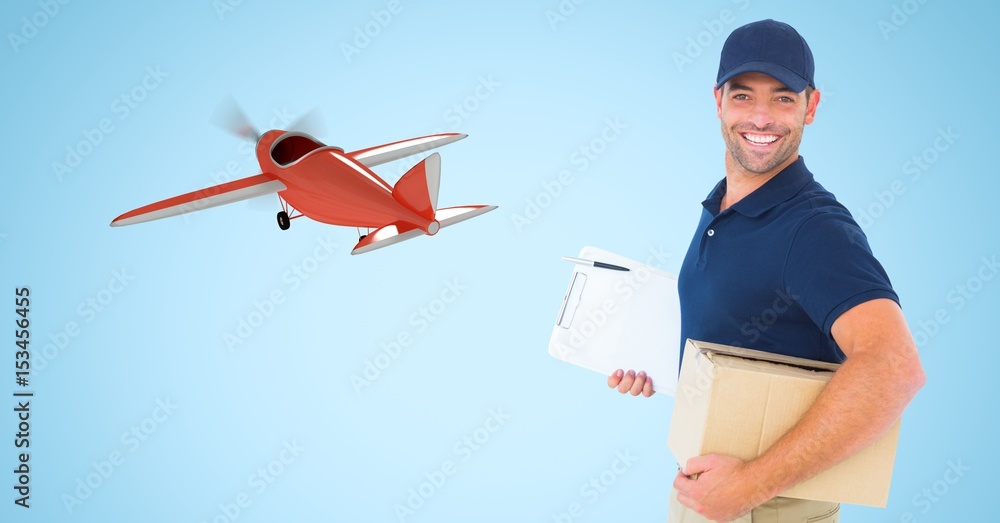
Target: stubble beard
[{"x": 754, "y": 163}]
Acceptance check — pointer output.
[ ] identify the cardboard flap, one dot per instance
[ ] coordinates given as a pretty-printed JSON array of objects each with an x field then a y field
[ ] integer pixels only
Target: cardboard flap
[
  {"x": 767, "y": 367},
  {"x": 704, "y": 347}
]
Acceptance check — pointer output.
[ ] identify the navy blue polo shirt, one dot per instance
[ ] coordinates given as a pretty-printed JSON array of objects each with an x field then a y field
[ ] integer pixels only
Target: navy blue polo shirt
[{"x": 775, "y": 270}]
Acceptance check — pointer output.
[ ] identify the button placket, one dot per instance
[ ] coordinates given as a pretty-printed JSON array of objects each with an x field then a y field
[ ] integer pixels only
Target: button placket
[{"x": 703, "y": 244}]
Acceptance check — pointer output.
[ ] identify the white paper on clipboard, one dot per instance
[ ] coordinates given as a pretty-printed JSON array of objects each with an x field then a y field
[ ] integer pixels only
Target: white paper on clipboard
[{"x": 613, "y": 319}]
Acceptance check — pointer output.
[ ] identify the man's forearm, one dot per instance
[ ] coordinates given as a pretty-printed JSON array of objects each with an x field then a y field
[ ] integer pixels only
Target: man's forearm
[{"x": 863, "y": 400}]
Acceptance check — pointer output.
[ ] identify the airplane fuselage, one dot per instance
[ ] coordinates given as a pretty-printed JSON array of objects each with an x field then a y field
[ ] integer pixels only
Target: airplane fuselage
[{"x": 327, "y": 186}]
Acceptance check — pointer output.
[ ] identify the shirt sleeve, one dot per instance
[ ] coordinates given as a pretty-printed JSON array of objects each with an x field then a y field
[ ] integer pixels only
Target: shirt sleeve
[{"x": 830, "y": 268}]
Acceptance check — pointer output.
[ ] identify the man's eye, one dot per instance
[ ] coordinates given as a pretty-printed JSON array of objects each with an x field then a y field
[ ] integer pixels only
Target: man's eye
[
  {"x": 786, "y": 99},
  {"x": 740, "y": 97}
]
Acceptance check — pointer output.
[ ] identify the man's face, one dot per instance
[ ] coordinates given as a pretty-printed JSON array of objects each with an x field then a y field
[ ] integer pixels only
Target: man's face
[{"x": 762, "y": 121}]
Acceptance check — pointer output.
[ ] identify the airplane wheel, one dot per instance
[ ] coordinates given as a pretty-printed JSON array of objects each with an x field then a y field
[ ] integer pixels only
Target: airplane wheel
[
  {"x": 362, "y": 237},
  {"x": 283, "y": 221}
]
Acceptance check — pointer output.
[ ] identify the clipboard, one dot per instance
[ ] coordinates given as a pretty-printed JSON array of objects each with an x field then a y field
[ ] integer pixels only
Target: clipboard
[{"x": 613, "y": 319}]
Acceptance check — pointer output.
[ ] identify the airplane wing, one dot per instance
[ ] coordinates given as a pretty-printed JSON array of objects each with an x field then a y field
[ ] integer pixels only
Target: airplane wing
[
  {"x": 390, "y": 152},
  {"x": 234, "y": 191}
]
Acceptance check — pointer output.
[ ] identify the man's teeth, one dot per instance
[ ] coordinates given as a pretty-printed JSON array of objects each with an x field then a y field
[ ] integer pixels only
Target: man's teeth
[{"x": 760, "y": 139}]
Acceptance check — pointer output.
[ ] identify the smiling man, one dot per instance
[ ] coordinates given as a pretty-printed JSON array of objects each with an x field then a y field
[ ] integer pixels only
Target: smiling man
[{"x": 777, "y": 264}]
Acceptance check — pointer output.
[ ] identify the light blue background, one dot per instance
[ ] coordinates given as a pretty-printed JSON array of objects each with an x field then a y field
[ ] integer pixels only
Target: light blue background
[{"x": 193, "y": 280}]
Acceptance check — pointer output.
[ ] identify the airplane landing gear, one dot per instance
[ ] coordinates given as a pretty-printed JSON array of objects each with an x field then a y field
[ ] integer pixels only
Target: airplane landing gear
[
  {"x": 285, "y": 217},
  {"x": 284, "y": 222},
  {"x": 362, "y": 236}
]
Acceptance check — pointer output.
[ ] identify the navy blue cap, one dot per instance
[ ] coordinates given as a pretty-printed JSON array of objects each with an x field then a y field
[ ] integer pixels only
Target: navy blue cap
[{"x": 773, "y": 48}]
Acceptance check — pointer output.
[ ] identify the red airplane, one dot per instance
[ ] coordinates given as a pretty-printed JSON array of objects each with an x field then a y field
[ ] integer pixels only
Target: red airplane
[{"x": 326, "y": 184}]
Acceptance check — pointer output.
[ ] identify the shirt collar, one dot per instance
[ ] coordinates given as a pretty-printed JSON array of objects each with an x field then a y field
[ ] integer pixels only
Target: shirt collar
[{"x": 781, "y": 188}]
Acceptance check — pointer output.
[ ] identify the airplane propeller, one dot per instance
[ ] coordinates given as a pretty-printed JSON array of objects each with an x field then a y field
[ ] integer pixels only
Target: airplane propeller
[
  {"x": 311, "y": 123},
  {"x": 231, "y": 118}
]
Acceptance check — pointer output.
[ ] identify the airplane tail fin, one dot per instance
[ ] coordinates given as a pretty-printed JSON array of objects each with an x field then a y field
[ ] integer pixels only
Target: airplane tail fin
[
  {"x": 418, "y": 188},
  {"x": 418, "y": 191}
]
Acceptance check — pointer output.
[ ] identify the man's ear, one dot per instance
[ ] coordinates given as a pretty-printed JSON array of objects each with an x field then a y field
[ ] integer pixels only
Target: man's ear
[
  {"x": 717, "y": 91},
  {"x": 811, "y": 106}
]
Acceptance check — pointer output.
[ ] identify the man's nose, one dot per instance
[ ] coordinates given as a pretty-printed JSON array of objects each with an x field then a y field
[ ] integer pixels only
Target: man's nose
[{"x": 760, "y": 115}]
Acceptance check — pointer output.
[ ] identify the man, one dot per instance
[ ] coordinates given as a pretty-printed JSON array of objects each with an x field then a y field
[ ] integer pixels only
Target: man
[{"x": 773, "y": 244}]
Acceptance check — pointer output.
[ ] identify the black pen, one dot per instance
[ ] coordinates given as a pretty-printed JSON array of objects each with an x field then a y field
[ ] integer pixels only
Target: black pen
[{"x": 591, "y": 263}]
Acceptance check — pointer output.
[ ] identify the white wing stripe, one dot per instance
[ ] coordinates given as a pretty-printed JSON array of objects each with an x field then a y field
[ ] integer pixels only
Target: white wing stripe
[
  {"x": 397, "y": 151},
  {"x": 245, "y": 193}
]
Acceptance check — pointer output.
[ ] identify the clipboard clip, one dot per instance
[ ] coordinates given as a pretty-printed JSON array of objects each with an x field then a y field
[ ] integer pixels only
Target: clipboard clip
[{"x": 572, "y": 299}]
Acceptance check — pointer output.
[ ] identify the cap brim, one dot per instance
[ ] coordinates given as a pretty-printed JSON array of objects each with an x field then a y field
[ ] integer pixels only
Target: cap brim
[{"x": 780, "y": 73}]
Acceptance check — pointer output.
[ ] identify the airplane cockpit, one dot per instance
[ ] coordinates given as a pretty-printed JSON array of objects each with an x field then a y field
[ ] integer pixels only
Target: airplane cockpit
[{"x": 291, "y": 147}]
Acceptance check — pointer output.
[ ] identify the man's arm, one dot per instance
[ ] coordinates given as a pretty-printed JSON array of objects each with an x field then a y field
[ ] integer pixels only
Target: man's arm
[{"x": 863, "y": 400}]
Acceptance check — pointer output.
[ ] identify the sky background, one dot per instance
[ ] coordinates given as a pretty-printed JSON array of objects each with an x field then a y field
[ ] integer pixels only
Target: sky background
[{"x": 589, "y": 124}]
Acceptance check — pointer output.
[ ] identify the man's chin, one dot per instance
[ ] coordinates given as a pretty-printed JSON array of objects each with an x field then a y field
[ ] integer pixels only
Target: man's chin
[
  {"x": 755, "y": 166},
  {"x": 756, "y": 163}
]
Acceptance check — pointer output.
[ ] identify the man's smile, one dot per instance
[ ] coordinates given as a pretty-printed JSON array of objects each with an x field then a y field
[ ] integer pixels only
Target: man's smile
[{"x": 760, "y": 140}]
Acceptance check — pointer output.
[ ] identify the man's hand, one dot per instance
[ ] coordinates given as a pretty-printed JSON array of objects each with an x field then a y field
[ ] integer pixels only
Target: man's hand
[
  {"x": 631, "y": 382},
  {"x": 863, "y": 399},
  {"x": 724, "y": 489}
]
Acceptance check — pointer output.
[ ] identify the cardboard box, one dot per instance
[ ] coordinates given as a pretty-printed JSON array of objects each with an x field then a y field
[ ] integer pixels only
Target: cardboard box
[{"x": 739, "y": 402}]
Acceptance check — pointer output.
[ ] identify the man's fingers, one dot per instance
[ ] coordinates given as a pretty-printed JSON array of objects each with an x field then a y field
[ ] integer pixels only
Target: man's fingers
[
  {"x": 681, "y": 482},
  {"x": 647, "y": 389},
  {"x": 698, "y": 464},
  {"x": 626, "y": 382},
  {"x": 631, "y": 383},
  {"x": 640, "y": 382},
  {"x": 690, "y": 503},
  {"x": 615, "y": 377},
  {"x": 685, "y": 490}
]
